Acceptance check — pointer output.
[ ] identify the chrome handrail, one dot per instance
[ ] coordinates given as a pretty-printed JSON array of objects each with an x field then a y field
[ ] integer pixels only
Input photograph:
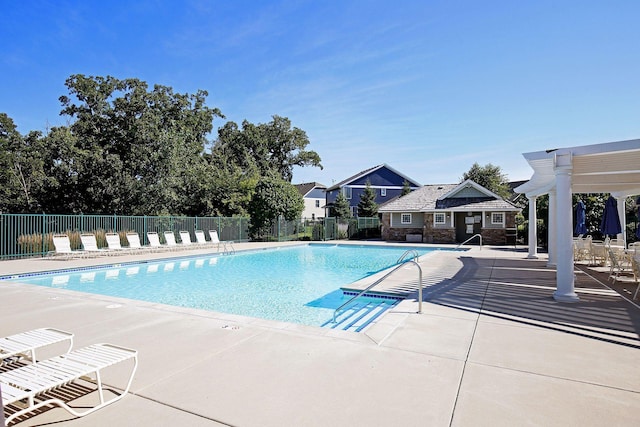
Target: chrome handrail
[
  {"x": 472, "y": 237},
  {"x": 380, "y": 280},
  {"x": 413, "y": 252}
]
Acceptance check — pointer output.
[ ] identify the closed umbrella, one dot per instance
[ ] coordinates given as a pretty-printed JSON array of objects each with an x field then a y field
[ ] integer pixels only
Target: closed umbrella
[
  {"x": 610, "y": 224},
  {"x": 581, "y": 226},
  {"x": 638, "y": 219}
]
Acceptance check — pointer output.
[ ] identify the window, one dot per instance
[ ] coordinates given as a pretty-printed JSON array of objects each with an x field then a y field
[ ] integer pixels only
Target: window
[
  {"x": 354, "y": 211},
  {"x": 383, "y": 192},
  {"x": 317, "y": 203},
  {"x": 497, "y": 218},
  {"x": 405, "y": 218},
  {"x": 313, "y": 217},
  {"x": 439, "y": 218},
  {"x": 347, "y": 192}
]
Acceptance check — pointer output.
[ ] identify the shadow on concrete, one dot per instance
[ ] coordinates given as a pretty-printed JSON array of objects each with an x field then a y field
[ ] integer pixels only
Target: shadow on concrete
[{"x": 522, "y": 291}]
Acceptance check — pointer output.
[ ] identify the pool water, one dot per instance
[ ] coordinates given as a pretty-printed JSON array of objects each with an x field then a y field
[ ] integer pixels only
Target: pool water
[{"x": 299, "y": 284}]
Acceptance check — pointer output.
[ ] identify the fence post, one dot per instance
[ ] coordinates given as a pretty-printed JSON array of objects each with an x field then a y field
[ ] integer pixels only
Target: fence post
[
  {"x": 44, "y": 231},
  {"x": 144, "y": 230}
]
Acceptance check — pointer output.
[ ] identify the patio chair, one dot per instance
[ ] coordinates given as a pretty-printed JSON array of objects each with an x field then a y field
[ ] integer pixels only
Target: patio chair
[
  {"x": 227, "y": 246},
  {"x": 113, "y": 242},
  {"x": 617, "y": 265},
  {"x": 25, "y": 344},
  {"x": 62, "y": 246},
  {"x": 170, "y": 238},
  {"x": 185, "y": 237},
  {"x": 200, "y": 239},
  {"x": 134, "y": 242},
  {"x": 154, "y": 241},
  {"x": 27, "y": 388},
  {"x": 635, "y": 265},
  {"x": 90, "y": 244}
]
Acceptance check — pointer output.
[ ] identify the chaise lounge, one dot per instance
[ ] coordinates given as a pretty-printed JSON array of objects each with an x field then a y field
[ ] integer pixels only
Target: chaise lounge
[
  {"x": 25, "y": 344},
  {"x": 27, "y": 388}
]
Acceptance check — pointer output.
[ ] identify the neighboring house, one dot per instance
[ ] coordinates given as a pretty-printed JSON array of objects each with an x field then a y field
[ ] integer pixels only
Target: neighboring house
[
  {"x": 386, "y": 181},
  {"x": 314, "y": 199},
  {"x": 450, "y": 213}
]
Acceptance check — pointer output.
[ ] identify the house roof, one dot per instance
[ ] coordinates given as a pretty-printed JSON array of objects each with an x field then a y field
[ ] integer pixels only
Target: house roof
[
  {"x": 441, "y": 197},
  {"x": 306, "y": 187},
  {"x": 368, "y": 171}
]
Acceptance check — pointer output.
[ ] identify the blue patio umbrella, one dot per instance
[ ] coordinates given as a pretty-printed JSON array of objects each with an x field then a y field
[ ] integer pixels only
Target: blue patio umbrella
[
  {"x": 638, "y": 222},
  {"x": 610, "y": 224},
  {"x": 581, "y": 226}
]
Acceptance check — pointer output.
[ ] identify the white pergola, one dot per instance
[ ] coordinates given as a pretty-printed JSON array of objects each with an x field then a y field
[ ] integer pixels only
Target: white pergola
[{"x": 601, "y": 168}]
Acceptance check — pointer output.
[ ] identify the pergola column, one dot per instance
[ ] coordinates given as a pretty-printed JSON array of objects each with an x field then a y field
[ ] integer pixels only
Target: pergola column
[
  {"x": 564, "y": 242},
  {"x": 551, "y": 230},
  {"x": 622, "y": 214},
  {"x": 533, "y": 229}
]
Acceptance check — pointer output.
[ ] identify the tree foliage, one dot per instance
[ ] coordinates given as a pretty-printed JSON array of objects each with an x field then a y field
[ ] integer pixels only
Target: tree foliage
[
  {"x": 406, "y": 188},
  {"x": 273, "y": 197},
  {"x": 490, "y": 177},
  {"x": 132, "y": 149},
  {"x": 367, "y": 206},
  {"x": 341, "y": 207}
]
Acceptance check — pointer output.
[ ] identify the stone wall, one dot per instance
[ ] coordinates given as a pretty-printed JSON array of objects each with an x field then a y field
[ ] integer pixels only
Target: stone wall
[{"x": 493, "y": 236}]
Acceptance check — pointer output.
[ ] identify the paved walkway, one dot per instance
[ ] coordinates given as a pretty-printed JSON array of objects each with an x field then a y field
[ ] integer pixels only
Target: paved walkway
[{"x": 491, "y": 348}]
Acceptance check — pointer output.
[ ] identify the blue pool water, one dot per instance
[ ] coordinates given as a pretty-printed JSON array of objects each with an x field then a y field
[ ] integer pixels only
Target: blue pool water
[{"x": 299, "y": 284}]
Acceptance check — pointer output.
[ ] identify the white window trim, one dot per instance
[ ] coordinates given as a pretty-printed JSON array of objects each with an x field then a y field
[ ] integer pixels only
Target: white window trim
[
  {"x": 494, "y": 222},
  {"x": 383, "y": 192},
  {"x": 444, "y": 217},
  {"x": 347, "y": 191},
  {"x": 402, "y": 221}
]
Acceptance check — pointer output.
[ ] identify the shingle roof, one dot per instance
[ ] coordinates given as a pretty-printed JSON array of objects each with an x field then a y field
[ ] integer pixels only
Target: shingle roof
[
  {"x": 426, "y": 199},
  {"x": 304, "y": 188},
  {"x": 352, "y": 177}
]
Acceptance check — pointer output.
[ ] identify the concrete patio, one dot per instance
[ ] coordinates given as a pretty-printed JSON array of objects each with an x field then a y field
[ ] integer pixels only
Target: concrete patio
[{"x": 491, "y": 348}]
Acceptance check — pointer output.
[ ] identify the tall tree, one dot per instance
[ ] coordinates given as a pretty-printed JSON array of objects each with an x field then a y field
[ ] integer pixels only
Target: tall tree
[
  {"x": 22, "y": 175},
  {"x": 490, "y": 177},
  {"x": 367, "y": 206},
  {"x": 273, "y": 197},
  {"x": 273, "y": 147},
  {"x": 341, "y": 207},
  {"x": 133, "y": 150}
]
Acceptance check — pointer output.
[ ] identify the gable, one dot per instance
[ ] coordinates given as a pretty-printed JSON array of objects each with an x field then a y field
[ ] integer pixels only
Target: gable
[
  {"x": 379, "y": 176},
  {"x": 467, "y": 192}
]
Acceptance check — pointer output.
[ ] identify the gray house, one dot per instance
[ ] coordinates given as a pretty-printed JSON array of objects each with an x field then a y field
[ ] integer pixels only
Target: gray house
[{"x": 449, "y": 213}]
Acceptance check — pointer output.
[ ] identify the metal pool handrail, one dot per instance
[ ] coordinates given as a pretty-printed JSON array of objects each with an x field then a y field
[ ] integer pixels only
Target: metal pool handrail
[
  {"x": 470, "y": 238},
  {"x": 380, "y": 280}
]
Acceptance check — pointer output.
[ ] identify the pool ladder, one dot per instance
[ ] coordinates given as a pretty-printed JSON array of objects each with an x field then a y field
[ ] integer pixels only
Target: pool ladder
[
  {"x": 401, "y": 261},
  {"x": 227, "y": 247}
]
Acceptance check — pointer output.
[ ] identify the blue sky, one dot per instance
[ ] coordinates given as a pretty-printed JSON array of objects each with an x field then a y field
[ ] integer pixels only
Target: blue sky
[{"x": 428, "y": 87}]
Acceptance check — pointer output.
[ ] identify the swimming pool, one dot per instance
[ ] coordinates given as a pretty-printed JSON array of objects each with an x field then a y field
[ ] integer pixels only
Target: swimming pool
[{"x": 299, "y": 284}]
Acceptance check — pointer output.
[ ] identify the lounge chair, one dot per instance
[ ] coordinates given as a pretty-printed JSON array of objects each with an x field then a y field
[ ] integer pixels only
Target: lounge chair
[
  {"x": 113, "y": 241},
  {"x": 25, "y": 389},
  {"x": 170, "y": 238},
  {"x": 185, "y": 237},
  {"x": 227, "y": 246},
  {"x": 154, "y": 241},
  {"x": 200, "y": 239},
  {"x": 635, "y": 265},
  {"x": 134, "y": 242},
  {"x": 62, "y": 245},
  {"x": 617, "y": 265},
  {"x": 90, "y": 245},
  {"x": 25, "y": 344}
]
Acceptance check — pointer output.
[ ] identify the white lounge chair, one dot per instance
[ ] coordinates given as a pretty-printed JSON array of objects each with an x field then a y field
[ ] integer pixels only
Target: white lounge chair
[
  {"x": 22, "y": 387},
  {"x": 134, "y": 242},
  {"x": 170, "y": 238},
  {"x": 90, "y": 244},
  {"x": 227, "y": 246},
  {"x": 154, "y": 241},
  {"x": 185, "y": 237},
  {"x": 63, "y": 249},
  {"x": 113, "y": 241},
  {"x": 200, "y": 239},
  {"x": 25, "y": 344}
]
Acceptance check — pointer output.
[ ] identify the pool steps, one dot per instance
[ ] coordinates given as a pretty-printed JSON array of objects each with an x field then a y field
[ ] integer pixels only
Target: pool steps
[{"x": 359, "y": 315}]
